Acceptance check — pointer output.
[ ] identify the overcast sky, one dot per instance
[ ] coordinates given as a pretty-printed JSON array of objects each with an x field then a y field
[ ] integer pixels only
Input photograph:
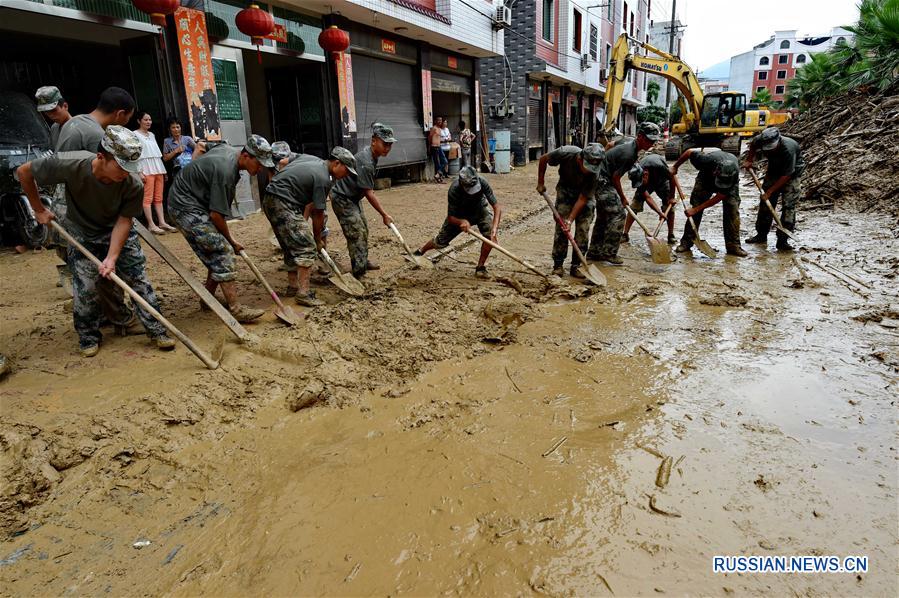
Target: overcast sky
[{"x": 718, "y": 29}]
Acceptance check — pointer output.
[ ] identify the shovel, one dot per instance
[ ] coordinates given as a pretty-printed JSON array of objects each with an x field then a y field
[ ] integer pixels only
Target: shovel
[
  {"x": 664, "y": 218},
  {"x": 698, "y": 241},
  {"x": 505, "y": 252},
  {"x": 589, "y": 270},
  {"x": 210, "y": 363},
  {"x": 658, "y": 250},
  {"x": 771, "y": 209},
  {"x": 345, "y": 282},
  {"x": 419, "y": 260},
  {"x": 283, "y": 312}
]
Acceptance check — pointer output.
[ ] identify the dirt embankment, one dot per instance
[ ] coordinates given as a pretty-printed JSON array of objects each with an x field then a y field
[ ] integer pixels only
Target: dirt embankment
[{"x": 851, "y": 148}]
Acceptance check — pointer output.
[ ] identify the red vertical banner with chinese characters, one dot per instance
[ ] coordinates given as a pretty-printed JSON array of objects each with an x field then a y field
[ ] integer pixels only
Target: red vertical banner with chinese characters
[
  {"x": 344, "y": 64},
  {"x": 426, "y": 104},
  {"x": 196, "y": 68}
]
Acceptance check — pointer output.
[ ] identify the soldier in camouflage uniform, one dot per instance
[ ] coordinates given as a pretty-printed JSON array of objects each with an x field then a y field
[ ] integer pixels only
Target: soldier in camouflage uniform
[
  {"x": 200, "y": 204},
  {"x": 471, "y": 201},
  {"x": 347, "y": 194},
  {"x": 783, "y": 181},
  {"x": 103, "y": 196},
  {"x": 55, "y": 109},
  {"x": 718, "y": 180},
  {"x": 610, "y": 198},
  {"x": 300, "y": 187},
  {"x": 651, "y": 175},
  {"x": 574, "y": 197}
]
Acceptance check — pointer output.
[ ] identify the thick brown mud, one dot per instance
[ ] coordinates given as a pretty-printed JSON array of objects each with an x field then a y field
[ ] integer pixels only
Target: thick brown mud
[{"x": 461, "y": 436}]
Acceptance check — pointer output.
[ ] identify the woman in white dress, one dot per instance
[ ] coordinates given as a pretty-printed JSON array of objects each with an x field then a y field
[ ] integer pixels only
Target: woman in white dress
[{"x": 152, "y": 173}]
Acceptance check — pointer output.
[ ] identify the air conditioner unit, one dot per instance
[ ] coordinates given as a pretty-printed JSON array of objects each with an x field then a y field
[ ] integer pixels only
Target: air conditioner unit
[
  {"x": 503, "y": 17},
  {"x": 603, "y": 75},
  {"x": 585, "y": 62}
]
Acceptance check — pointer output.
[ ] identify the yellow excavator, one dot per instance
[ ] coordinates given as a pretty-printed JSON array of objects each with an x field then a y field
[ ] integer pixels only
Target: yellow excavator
[{"x": 713, "y": 120}]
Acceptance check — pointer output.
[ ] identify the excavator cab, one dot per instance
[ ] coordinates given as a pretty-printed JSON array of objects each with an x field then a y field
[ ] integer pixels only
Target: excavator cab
[{"x": 723, "y": 110}]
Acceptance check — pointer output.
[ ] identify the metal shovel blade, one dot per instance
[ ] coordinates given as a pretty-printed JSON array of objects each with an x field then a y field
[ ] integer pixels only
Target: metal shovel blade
[
  {"x": 287, "y": 315},
  {"x": 704, "y": 247},
  {"x": 346, "y": 285},
  {"x": 345, "y": 282},
  {"x": 659, "y": 251},
  {"x": 593, "y": 274},
  {"x": 420, "y": 261}
]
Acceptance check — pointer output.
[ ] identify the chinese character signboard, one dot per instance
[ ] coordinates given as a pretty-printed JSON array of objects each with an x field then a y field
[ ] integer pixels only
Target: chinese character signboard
[
  {"x": 427, "y": 106},
  {"x": 452, "y": 62},
  {"x": 388, "y": 46},
  {"x": 196, "y": 68},
  {"x": 344, "y": 66},
  {"x": 279, "y": 34}
]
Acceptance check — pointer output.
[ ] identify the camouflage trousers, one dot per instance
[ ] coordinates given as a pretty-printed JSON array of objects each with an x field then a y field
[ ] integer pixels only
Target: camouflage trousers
[
  {"x": 565, "y": 200},
  {"x": 355, "y": 230},
  {"x": 609, "y": 225},
  {"x": 731, "y": 218},
  {"x": 449, "y": 231},
  {"x": 789, "y": 198},
  {"x": 293, "y": 232},
  {"x": 208, "y": 243},
  {"x": 112, "y": 299},
  {"x": 86, "y": 284}
]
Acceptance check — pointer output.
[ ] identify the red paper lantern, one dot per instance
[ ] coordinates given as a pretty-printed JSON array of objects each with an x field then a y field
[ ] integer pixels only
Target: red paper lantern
[
  {"x": 157, "y": 9},
  {"x": 334, "y": 40},
  {"x": 255, "y": 23}
]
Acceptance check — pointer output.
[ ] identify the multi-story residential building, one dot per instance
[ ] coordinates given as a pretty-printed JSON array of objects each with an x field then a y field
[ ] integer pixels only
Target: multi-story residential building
[
  {"x": 659, "y": 36},
  {"x": 773, "y": 63},
  {"x": 548, "y": 88},
  {"x": 406, "y": 60}
]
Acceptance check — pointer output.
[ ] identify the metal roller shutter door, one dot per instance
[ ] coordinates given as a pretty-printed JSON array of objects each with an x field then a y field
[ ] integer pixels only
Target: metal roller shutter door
[
  {"x": 388, "y": 92},
  {"x": 535, "y": 123}
]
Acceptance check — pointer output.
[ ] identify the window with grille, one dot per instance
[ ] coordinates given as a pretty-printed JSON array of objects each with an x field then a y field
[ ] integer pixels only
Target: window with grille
[
  {"x": 594, "y": 37},
  {"x": 548, "y": 20}
]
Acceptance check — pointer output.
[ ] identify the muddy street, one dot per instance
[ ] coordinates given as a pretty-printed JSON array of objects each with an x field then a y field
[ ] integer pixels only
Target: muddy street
[{"x": 446, "y": 434}]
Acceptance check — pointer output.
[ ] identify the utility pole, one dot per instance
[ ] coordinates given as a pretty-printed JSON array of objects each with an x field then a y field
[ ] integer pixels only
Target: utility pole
[{"x": 672, "y": 29}]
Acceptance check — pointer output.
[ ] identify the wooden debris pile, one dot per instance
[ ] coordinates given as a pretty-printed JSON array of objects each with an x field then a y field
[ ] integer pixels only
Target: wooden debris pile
[{"x": 851, "y": 148}]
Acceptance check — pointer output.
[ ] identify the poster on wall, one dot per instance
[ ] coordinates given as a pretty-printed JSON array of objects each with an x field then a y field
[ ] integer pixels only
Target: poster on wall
[
  {"x": 345, "y": 93},
  {"x": 426, "y": 105},
  {"x": 196, "y": 69}
]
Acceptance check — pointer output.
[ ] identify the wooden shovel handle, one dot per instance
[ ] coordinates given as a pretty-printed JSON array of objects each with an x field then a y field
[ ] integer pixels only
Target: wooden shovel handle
[
  {"x": 505, "y": 252},
  {"x": 637, "y": 220},
  {"x": 680, "y": 193},
  {"x": 565, "y": 229},
  {"x": 662, "y": 220},
  {"x": 208, "y": 361},
  {"x": 261, "y": 279},
  {"x": 780, "y": 226}
]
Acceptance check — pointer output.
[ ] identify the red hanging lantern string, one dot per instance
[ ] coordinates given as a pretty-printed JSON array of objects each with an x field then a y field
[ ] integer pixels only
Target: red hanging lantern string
[{"x": 255, "y": 23}]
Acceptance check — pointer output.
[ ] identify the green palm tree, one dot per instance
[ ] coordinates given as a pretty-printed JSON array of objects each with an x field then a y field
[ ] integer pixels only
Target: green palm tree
[
  {"x": 877, "y": 44},
  {"x": 762, "y": 97}
]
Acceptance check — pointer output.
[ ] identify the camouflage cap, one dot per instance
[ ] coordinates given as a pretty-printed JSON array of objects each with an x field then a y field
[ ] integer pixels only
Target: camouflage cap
[
  {"x": 280, "y": 150},
  {"x": 124, "y": 146},
  {"x": 258, "y": 147},
  {"x": 592, "y": 156},
  {"x": 48, "y": 97},
  {"x": 650, "y": 130},
  {"x": 383, "y": 132},
  {"x": 345, "y": 157},
  {"x": 727, "y": 174},
  {"x": 636, "y": 174},
  {"x": 469, "y": 180},
  {"x": 769, "y": 138}
]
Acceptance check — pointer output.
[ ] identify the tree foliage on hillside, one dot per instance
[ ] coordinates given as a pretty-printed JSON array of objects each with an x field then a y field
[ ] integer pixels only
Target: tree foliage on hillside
[{"x": 871, "y": 60}]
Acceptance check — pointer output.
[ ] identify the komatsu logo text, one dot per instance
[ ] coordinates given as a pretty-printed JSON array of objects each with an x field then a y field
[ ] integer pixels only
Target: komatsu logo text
[{"x": 650, "y": 66}]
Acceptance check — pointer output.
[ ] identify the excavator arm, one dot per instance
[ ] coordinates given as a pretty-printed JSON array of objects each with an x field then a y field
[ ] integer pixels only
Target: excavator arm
[{"x": 662, "y": 64}]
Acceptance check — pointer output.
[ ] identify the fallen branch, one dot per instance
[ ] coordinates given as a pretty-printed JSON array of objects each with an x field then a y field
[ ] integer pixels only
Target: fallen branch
[{"x": 555, "y": 447}]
